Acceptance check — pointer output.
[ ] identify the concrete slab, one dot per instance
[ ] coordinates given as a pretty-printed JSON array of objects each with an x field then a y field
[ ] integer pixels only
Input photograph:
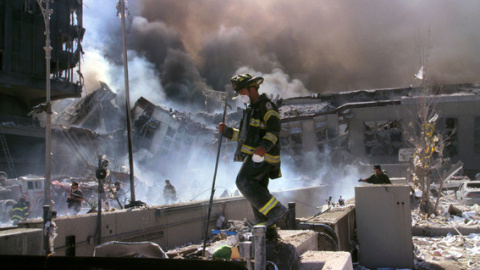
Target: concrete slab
[
  {"x": 21, "y": 241},
  {"x": 302, "y": 240},
  {"x": 313, "y": 260},
  {"x": 340, "y": 219}
]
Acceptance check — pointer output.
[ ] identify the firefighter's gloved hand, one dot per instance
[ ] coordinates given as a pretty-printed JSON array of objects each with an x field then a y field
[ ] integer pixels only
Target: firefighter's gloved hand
[
  {"x": 360, "y": 180},
  {"x": 260, "y": 151},
  {"x": 221, "y": 127}
]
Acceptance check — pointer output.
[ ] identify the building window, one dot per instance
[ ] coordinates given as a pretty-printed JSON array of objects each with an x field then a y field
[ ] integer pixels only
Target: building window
[
  {"x": 171, "y": 132},
  {"x": 321, "y": 133},
  {"x": 448, "y": 127},
  {"x": 168, "y": 141},
  {"x": 291, "y": 144},
  {"x": 382, "y": 138},
  {"x": 477, "y": 135}
]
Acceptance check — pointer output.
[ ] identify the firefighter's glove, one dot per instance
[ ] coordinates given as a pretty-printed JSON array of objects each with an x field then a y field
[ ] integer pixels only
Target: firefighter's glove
[
  {"x": 360, "y": 180},
  {"x": 259, "y": 154},
  {"x": 221, "y": 127}
]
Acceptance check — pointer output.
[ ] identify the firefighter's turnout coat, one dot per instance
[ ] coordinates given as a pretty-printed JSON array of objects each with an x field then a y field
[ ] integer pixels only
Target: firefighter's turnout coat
[{"x": 260, "y": 126}]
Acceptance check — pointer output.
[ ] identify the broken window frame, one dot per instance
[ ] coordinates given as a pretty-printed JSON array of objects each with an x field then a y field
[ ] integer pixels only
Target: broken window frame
[
  {"x": 291, "y": 140},
  {"x": 382, "y": 137},
  {"x": 449, "y": 126}
]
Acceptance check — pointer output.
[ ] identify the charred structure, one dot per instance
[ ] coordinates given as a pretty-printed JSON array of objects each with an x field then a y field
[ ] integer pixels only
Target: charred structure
[{"x": 22, "y": 75}]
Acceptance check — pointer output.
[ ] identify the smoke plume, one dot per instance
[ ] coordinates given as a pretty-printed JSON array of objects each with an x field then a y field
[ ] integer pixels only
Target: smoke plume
[
  {"x": 176, "y": 49},
  {"x": 300, "y": 47}
]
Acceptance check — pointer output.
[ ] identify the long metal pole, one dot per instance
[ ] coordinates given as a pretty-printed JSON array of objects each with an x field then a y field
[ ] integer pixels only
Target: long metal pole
[
  {"x": 99, "y": 206},
  {"x": 48, "y": 121},
  {"x": 127, "y": 93},
  {"x": 213, "y": 183}
]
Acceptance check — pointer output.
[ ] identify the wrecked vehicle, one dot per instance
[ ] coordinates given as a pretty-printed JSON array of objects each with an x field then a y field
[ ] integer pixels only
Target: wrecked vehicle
[
  {"x": 469, "y": 192},
  {"x": 11, "y": 190},
  {"x": 32, "y": 187}
]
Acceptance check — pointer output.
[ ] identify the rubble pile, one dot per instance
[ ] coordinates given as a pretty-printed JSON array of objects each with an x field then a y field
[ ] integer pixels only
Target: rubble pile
[
  {"x": 454, "y": 251},
  {"x": 450, "y": 212},
  {"x": 224, "y": 245},
  {"x": 457, "y": 250}
]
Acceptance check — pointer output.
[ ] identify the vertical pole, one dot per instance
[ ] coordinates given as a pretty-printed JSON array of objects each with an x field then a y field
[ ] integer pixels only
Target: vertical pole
[
  {"x": 213, "y": 182},
  {"x": 100, "y": 196},
  {"x": 260, "y": 246},
  {"x": 127, "y": 94},
  {"x": 292, "y": 223},
  {"x": 46, "y": 247},
  {"x": 48, "y": 121},
  {"x": 46, "y": 12},
  {"x": 99, "y": 211}
]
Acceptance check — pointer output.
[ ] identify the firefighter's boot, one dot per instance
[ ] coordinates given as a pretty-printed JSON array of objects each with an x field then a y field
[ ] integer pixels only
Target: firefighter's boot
[{"x": 276, "y": 214}]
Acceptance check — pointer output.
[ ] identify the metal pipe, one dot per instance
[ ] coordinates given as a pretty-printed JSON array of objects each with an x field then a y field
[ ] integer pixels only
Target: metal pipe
[
  {"x": 275, "y": 267},
  {"x": 100, "y": 174},
  {"x": 245, "y": 251},
  {"x": 260, "y": 246},
  {"x": 127, "y": 94},
  {"x": 292, "y": 223},
  {"x": 46, "y": 209},
  {"x": 48, "y": 121},
  {"x": 213, "y": 182}
]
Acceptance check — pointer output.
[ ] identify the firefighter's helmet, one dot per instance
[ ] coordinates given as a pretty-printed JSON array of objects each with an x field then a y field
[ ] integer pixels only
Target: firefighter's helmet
[
  {"x": 105, "y": 163},
  {"x": 243, "y": 80}
]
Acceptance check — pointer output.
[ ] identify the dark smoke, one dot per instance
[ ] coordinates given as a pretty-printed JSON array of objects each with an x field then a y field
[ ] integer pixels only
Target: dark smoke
[
  {"x": 328, "y": 45},
  {"x": 179, "y": 48}
]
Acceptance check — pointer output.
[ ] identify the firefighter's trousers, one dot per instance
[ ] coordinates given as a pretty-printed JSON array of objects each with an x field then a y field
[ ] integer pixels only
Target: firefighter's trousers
[{"x": 252, "y": 182}]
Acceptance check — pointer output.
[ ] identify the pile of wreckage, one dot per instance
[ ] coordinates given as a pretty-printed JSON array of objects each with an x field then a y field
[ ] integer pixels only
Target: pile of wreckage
[
  {"x": 241, "y": 245},
  {"x": 449, "y": 238}
]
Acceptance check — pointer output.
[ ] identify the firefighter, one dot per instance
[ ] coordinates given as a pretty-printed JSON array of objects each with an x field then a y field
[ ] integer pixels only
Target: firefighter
[
  {"x": 75, "y": 199},
  {"x": 169, "y": 192},
  {"x": 258, "y": 149},
  {"x": 20, "y": 210},
  {"x": 379, "y": 177}
]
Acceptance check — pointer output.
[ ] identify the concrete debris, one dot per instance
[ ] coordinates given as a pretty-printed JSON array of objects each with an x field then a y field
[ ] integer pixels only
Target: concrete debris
[
  {"x": 449, "y": 213},
  {"x": 450, "y": 238},
  {"x": 462, "y": 251},
  {"x": 226, "y": 246}
]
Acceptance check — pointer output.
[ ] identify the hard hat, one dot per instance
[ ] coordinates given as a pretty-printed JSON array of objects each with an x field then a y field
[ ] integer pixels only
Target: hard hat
[{"x": 243, "y": 80}]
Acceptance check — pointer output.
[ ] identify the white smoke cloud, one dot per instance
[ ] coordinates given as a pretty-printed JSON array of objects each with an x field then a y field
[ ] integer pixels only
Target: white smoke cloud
[
  {"x": 277, "y": 83},
  {"x": 309, "y": 50}
]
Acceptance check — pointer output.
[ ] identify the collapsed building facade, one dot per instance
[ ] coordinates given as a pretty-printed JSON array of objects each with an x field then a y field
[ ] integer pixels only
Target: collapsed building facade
[{"x": 368, "y": 126}]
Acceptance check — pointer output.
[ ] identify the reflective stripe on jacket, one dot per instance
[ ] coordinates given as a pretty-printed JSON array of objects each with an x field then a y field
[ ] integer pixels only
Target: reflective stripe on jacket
[
  {"x": 19, "y": 211},
  {"x": 263, "y": 130}
]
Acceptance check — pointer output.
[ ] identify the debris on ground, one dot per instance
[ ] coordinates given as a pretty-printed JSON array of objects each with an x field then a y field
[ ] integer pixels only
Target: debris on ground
[
  {"x": 454, "y": 251},
  {"x": 448, "y": 251},
  {"x": 223, "y": 245}
]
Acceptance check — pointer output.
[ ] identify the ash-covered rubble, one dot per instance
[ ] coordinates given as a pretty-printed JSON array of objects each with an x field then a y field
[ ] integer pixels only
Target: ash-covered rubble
[
  {"x": 449, "y": 252},
  {"x": 225, "y": 244},
  {"x": 449, "y": 239}
]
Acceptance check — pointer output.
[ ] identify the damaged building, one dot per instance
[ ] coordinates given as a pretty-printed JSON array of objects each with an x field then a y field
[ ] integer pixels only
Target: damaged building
[
  {"x": 96, "y": 124},
  {"x": 368, "y": 126},
  {"x": 23, "y": 76},
  {"x": 167, "y": 133}
]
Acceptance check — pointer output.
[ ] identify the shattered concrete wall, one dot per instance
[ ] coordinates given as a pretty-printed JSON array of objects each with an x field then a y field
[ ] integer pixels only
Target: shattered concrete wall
[{"x": 367, "y": 126}]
